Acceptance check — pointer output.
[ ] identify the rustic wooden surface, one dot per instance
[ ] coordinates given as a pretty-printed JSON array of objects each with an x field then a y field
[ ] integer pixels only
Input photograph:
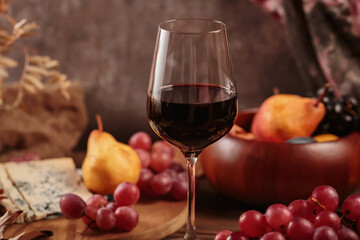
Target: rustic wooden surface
[
  {"x": 108, "y": 46},
  {"x": 214, "y": 212},
  {"x": 157, "y": 219}
]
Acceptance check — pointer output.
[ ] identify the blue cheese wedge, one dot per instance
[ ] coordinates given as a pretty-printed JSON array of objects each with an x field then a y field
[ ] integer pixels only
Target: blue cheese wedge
[{"x": 42, "y": 183}]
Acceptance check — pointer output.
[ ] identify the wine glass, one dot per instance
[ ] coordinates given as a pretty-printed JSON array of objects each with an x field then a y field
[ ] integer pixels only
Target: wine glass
[{"x": 191, "y": 99}]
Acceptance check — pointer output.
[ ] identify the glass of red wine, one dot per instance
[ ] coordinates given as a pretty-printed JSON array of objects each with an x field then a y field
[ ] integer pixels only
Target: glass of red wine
[{"x": 191, "y": 99}]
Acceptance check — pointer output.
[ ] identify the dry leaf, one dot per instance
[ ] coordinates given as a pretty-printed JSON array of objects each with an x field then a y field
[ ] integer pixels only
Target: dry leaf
[
  {"x": 51, "y": 64},
  {"x": 52, "y": 73},
  {"x": 19, "y": 25},
  {"x": 39, "y": 60},
  {"x": 8, "y": 62},
  {"x": 3, "y": 73},
  {"x": 29, "y": 88},
  {"x": 66, "y": 94},
  {"x": 28, "y": 29},
  {"x": 35, "y": 69},
  {"x": 7, "y": 219},
  {"x": 36, "y": 82}
]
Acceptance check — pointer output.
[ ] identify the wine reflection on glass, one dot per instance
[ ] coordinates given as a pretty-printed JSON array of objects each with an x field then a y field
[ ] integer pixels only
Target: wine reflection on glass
[{"x": 191, "y": 99}]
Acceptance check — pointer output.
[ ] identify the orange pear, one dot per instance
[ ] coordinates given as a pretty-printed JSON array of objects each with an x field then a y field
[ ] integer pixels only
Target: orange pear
[
  {"x": 108, "y": 163},
  {"x": 285, "y": 116}
]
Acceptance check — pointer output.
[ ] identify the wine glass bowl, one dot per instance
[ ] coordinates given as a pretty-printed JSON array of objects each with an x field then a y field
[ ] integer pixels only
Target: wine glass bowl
[
  {"x": 200, "y": 114},
  {"x": 192, "y": 100}
]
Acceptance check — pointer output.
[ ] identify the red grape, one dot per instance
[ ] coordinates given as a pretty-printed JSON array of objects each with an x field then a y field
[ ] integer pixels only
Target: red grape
[
  {"x": 324, "y": 233},
  {"x": 328, "y": 218},
  {"x": 358, "y": 227},
  {"x": 300, "y": 229},
  {"x": 126, "y": 218},
  {"x": 90, "y": 215},
  {"x": 222, "y": 235},
  {"x": 179, "y": 188},
  {"x": 17, "y": 159},
  {"x": 27, "y": 157},
  {"x": 273, "y": 236},
  {"x": 97, "y": 200},
  {"x": 238, "y": 235},
  {"x": 105, "y": 219},
  {"x": 183, "y": 175},
  {"x": 172, "y": 173},
  {"x": 140, "y": 140},
  {"x": 252, "y": 223},
  {"x": 126, "y": 194},
  {"x": 161, "y": 183},
  {"x": 160, "y": 161},
  {"x": 112, "y": 206},
  {"x": 31, "y": 157},
  {"x": 302, "y": 208},
  {"x": 149, "y": 192},
  {"x": 144, "y": 180},
  {"x": 278, "y": 216},
  {"x": 351, "y": 207},
  {"x": 345, "y": 233},
  {"x": 162, "y": 146},
  {"x": 145, "y": 157},
  {"x": 72, "y": 206},
  {"x": 326, "y": 196},
  {"x": 177, "y": 167}
]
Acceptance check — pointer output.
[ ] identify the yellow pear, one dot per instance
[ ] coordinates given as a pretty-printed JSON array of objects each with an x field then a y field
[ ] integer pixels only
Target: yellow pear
[{"x": 108, "y": 162}]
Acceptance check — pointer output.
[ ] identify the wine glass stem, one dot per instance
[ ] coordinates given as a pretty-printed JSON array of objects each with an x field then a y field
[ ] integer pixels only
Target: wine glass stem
[{"x": 190, "y": 228}]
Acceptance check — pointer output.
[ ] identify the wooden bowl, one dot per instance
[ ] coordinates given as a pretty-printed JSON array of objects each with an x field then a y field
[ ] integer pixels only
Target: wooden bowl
[{"x": 262, "y": 173}]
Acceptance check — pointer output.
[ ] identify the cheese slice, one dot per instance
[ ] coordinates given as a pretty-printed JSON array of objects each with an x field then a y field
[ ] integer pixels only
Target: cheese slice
[{"x": 41, "y": 185}]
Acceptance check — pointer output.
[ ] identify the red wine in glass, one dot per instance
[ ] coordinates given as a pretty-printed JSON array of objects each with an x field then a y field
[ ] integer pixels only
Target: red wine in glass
[
  {"x": 191, "y": 99},
  {"x": 192, "y": 116}
]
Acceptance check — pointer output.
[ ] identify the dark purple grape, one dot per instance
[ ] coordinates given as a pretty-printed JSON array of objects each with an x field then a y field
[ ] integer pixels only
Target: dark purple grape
[
  {"x": 329, "y": 93},
  {"x": 349, "y": 103},
  {"x": 342, "y": 114}
]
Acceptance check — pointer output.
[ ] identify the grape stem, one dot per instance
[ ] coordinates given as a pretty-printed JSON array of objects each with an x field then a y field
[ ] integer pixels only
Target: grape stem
[
  {"x": 99, "y": 122},
  {"x": 91, "y": 220},
  {"x": 318, "y": 203},
  {"x": 322, "y": 95},
  {"x": 85, "y": 215},
  {"x": 347, "y": 222}
]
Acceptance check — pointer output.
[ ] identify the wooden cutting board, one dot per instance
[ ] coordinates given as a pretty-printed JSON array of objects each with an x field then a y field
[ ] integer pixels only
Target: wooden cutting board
[{"x": 157, "y": 219}]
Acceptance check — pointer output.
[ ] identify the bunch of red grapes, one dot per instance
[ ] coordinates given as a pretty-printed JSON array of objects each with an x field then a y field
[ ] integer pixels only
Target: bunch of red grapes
[
  {"x": 317, "y": 218},
  {"x": 29, "y": 156},
  {"x": 159, "y": 175},
  {"x": 105, "y": 214}
]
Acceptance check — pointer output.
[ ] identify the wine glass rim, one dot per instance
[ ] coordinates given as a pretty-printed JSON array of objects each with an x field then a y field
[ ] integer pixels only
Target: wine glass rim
[{"x": 222, "y": 26}]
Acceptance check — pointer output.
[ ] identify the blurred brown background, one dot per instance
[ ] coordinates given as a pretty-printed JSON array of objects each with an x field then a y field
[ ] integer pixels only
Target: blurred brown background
[{"x": 108, "y": 46}]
